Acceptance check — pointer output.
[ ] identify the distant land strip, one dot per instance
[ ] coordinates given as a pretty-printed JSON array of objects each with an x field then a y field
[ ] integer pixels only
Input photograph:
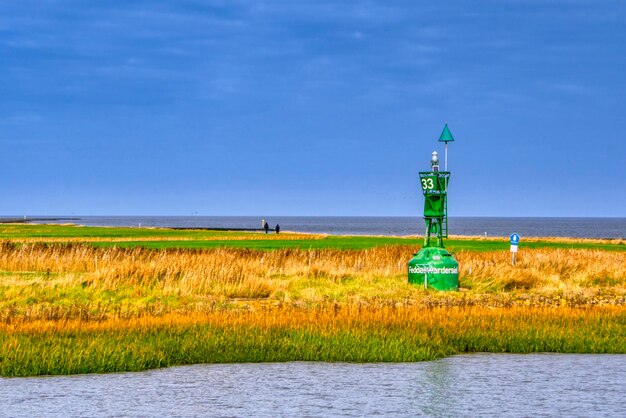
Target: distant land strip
[
  {"x": 195, "y": 228},
  {"x": 26, "y": 220}
]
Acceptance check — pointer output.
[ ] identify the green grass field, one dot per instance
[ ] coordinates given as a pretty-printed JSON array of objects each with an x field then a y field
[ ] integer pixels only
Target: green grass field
[{"x": 159, "y": 238}]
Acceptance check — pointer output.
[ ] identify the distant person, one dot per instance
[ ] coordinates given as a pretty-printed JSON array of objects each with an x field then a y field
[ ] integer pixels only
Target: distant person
[
  {"x": 266, "y": 227},
  {"x": 277, "y": 228}
]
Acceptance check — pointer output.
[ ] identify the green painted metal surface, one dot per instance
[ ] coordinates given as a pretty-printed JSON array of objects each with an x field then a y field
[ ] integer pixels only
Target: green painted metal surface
[
  {"x": 446, "y": 135},
  {"x": 433, "y": 266},
  {"x": 435, "y": 189}
]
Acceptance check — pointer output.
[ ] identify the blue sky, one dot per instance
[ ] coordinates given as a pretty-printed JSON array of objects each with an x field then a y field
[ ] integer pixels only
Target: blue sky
[{"x": 311, "y": 108}]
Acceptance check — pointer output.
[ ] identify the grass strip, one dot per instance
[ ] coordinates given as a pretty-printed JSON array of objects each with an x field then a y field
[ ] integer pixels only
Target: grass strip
[
  {"x": 350, "y": 243},
  {"x": 330, "y": 333},
  {"x": 163, "y": 238}
]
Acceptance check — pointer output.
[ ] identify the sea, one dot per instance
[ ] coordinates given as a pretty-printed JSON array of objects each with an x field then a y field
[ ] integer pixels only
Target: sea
[{"x": 384, "y": 225}]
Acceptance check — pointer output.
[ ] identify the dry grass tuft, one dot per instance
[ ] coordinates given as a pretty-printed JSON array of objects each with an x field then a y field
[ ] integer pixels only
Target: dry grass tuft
[{"x": 546, "y": 270}]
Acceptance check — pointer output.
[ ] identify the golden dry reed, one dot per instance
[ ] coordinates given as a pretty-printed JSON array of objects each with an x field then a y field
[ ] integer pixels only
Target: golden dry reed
[
  {"x": 64, "y": 281},
  {"x": 561, "y": 270},
  {"x": 561, "y": 240}
]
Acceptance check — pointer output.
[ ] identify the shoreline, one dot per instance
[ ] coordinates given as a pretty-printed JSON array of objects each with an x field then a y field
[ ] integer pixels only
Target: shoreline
[
  {"x": 387, "y": 335},
  {"x": 528, "y": 231},
  {"x": 30, "y": 222}
]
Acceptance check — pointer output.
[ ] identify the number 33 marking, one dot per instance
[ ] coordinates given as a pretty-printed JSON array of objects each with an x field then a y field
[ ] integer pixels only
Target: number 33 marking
[{"x": 427, "y": 183}]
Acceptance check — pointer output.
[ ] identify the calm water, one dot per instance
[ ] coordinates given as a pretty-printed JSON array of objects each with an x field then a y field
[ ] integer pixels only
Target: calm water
[
  {"x": 469, "y": 385},
  {"x": 526, "y": 227}
]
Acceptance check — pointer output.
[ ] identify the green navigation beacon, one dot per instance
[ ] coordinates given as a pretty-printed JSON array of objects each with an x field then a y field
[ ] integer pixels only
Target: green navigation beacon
[{"x": 433, "y": 266}]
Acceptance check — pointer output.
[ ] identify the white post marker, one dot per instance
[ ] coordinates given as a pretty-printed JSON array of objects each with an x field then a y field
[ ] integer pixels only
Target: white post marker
[{"x": 514, "y": 241}]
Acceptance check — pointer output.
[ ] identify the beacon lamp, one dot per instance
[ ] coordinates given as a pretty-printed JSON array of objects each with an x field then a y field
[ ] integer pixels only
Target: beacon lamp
[{"x": 434, "y": 161}]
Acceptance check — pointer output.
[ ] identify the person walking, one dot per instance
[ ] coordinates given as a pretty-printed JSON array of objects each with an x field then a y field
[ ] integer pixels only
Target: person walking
[
  {"x": 266, "y": 227},
  {"x": 277, "y": 228}
]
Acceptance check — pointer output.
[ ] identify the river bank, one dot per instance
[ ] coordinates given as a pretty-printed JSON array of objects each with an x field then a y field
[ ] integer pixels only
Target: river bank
[{"x": 328, "y": 333}]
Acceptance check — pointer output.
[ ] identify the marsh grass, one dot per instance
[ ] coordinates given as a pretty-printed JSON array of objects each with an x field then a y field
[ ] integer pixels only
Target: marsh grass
[
  {"x": 75, "y": 308},
  {"x": 327, "y": 333},
  {"x": 70, "y": 280}
]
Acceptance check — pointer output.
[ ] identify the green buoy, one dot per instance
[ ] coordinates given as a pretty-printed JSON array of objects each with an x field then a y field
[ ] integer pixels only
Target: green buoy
[{"x": 433, "y": 266}]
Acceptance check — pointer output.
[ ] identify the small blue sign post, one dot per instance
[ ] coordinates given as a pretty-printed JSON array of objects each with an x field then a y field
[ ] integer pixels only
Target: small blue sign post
[{"x": 514, "y": 241}]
